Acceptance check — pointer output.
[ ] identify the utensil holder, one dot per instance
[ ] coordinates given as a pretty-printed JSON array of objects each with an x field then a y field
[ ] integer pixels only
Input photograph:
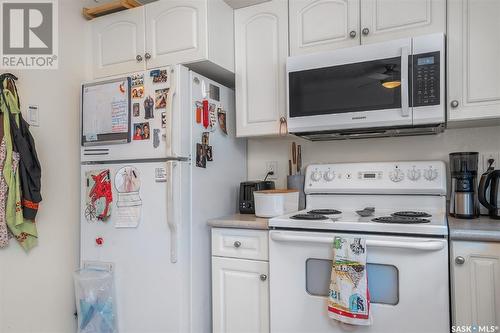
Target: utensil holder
[{"x": 296, "y": 182}]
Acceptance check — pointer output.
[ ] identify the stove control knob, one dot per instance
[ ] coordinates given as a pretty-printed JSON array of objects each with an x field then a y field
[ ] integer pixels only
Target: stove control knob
[
  {"x": 316, "y": 176},
  {"x": 396, "y": 175},
  {"x": 329, "y": 176},
  {"x": 430, "y": 174},
  {"x": 414, "y": 174}
]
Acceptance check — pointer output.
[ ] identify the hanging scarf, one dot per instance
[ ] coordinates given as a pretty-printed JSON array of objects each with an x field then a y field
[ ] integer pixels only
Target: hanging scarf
[{"x": 23, "y": 229}]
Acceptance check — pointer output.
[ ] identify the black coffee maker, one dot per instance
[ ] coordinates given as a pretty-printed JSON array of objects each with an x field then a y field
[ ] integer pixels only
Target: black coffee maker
[{"x": 489, "y": 188}]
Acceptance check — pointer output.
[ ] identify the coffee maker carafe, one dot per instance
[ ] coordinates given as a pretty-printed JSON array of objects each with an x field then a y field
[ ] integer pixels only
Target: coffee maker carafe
[
  {"x": 489, "y": 188},
  {"x": 464, "y": 202}
]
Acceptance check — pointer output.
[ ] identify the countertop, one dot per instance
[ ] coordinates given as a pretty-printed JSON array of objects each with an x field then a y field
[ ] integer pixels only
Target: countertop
[
  {"x": 481, "y": 229},
  {"x": 243, "y": 221}
]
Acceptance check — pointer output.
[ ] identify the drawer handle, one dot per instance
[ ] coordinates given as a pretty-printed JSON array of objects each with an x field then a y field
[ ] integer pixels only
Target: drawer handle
[
  {"x": 263, "y": 277},
  {"x": 237, "y": 244}
]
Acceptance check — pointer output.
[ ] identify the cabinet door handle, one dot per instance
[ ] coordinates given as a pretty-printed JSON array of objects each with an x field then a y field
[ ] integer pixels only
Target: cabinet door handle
[
  {"x": 138, "y": 58},
  {"x": 365, "y": 31},
  {"x": 237, "y": 244},
  {"x": 352, "y": 34},
  {"x": 460, "y": 260},
  {"x": 263, "y": 277},
  {"x": 454, "y": 103},
  {"x": 147, "y": 56}
]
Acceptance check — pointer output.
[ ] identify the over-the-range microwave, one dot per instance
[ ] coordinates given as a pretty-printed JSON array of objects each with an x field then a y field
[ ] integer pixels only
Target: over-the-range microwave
[{"x": 385, "y": 89}]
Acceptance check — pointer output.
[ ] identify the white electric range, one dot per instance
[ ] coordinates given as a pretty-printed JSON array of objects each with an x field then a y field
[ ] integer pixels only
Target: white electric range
[{"x": 400, "y": 209}]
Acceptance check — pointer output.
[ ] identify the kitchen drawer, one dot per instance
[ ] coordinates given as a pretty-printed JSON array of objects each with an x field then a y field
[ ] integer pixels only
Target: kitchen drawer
[{"x": 239, "y": 243}]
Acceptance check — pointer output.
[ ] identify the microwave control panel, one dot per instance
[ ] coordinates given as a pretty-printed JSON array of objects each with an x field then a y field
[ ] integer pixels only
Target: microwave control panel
[{"x": 426, "y": 79}]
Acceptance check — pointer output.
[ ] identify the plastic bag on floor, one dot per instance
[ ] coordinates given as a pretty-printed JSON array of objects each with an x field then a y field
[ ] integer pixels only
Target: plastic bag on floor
[{"x": 95, "y": 301}]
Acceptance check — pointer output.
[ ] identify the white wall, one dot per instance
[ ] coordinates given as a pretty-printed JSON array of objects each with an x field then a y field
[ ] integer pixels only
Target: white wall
[
  {"x": 431, "y": 147},
  {"x": 36, "y": 289}
]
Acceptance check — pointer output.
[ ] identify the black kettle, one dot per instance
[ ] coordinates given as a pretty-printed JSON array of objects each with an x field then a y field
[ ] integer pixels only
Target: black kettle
[{"x": 490, "y": 179}]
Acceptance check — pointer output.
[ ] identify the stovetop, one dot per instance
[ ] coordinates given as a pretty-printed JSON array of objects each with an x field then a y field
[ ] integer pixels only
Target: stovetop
[
  {"x": 382, "y": 221},
  {"x": 406, "y": 197}
]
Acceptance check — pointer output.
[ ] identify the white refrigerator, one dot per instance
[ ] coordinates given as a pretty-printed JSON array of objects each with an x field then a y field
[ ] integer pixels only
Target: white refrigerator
[{"x": 153, "y": 234}]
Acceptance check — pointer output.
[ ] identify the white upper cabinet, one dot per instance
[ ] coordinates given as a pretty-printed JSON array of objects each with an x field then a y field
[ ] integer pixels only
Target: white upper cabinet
[
  {"x": 261, "y": 49},
  {"x": 392, "y": 19},
  {"x": 319, "y": 25},
  {"x": 118, "y": 43},
  {"x": 476, "y": 283},
  {"x": 167, "y": 32},
  {"x": 175, "y": 30},
  {"x": 323, "y": 25},
  {"x": 473, "y": 60},
  {"x": 187, "y": 31}
]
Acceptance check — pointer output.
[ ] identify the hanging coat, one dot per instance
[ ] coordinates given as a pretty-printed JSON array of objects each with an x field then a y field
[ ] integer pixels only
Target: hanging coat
[
  {"x": 23, "y": 229},
  {"x": 29, "y": 168}
]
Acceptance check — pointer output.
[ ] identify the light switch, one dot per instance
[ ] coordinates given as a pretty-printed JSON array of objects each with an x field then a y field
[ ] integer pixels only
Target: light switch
[{"x": 33, "y": 117}]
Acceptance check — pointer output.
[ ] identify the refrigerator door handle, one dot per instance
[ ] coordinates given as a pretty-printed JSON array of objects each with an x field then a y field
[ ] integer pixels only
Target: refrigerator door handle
[
  {"x": 172, "y": 136},
  {"x": 171, "y": 221}
]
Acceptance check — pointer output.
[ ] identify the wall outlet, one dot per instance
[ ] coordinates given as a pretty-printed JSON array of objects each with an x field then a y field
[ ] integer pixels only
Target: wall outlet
[
  {"x": 272, "y": 166},
  {"x": 483, "y": 161}
]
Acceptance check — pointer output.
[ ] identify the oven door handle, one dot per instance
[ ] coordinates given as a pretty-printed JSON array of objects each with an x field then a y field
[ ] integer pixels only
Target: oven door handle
[
  {"x": 422, "y": 246},
  {"x": 405, "y": 107}
]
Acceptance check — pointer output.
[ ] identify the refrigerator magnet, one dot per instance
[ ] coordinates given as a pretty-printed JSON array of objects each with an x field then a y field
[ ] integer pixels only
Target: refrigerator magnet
[
  {"x": 212, "y": 117},
  {"x": 199, "y": 110},
  {"x": 221, "y": 117},
  {"x": 206, "y": 121},
  {"x": 161, "y": 96},
  {"x": 156, "y": 137},
  {"x": 142, "y": 131},
  {"x": 159, "y": 75},
  {"x": 201, "y": 159},
  {"x": 209, "y": 153},
  {"x": 136, "y": 109},
  {"x": 138, "y": 92},
  {"x": 205, "y": 138},
  {"x": 137, "y": 80},
  {"x": 148, "y": 107},
  {"x": 163, "y": 120}
]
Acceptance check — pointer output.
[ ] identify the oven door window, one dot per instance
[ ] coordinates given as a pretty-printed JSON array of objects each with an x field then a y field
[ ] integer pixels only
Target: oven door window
[
  {"x": 383, "y": 280},
  {"x": 364, "y": 86}
]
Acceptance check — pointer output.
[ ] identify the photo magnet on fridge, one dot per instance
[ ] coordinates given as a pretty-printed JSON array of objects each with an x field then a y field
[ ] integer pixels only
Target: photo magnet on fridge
[
  {"x": 163, "y": 119},
  {"x": 142, "y": 131},
  {"x": 221, "y": 116},
  {"x": 148, "y": 108},
  {"x": 209, "y": 153},
  {"x": 137, "y": 80},
  {"x": 136, "y": 109},
  {"x": 201, "y": 158},
  {"x": 159, "y": 75},
  {"x": 205, "y": 138},
  {"x": 161, "y": 96},
  {"x": 138, "y": 92}
]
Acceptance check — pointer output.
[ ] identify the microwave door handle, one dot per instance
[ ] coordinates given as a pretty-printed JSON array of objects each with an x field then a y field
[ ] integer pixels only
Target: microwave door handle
[
  {"x": 405, "y": 108},
  {"x": 422, "y": 246},
  {"x": 171, "y": 221}
]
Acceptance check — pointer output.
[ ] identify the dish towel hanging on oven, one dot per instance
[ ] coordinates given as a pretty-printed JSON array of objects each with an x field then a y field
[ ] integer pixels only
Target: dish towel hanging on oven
[{"x": 349, "y": 299}]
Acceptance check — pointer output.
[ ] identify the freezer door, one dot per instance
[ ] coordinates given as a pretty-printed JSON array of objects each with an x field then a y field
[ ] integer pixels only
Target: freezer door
[
  {"x": 150, "y": 260},
  {"x": 157, "y": 119}
]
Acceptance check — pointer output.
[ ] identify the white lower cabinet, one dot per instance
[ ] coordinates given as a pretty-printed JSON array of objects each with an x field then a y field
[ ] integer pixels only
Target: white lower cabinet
[
  {"x": 476, "y": 283},
  {"x": 240, "y": 289}
]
